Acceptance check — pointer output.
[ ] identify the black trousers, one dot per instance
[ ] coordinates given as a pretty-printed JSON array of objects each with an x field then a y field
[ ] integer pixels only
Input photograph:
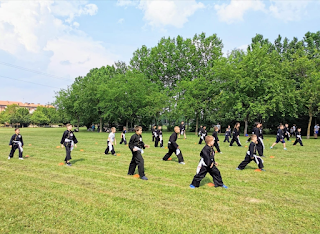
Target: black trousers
[
  {"x": 200, "y": 141},
  {"x": 137, "y": 160},
  {"x": 67, "y": 145},
  {"x": 247, "y": 160},
  {"x": 170, "y": 152},
  {"x": 153, "y": 137},
  {"x": 235, "y": 139},
  {"x": 217, "y": 146},
  {"x": 286, "y": 136},
  {"x": 107, "y": 149},
  {"x": 123, "y": 141},
  {"x": 260, "y": 147},
  {"x": 214, "y": 172},
  {"x": 156, "y": 143},
  {"x": 13, "y": 149},
  {"x": 298, "y": 141},
  {"x": 226, "y": 138}
]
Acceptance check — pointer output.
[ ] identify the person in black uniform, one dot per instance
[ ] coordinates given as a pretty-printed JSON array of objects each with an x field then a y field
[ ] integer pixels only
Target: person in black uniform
[
  {"x": 280, "y": 138},
  {"x": 203, "y": 134},
  {"x": 16, "y": 142},
  {"x": 251, "y": 155},
  {"x": 136, "y": 146},
  {"x": 216, "y": 139},
  {"x": 183, "y": 130},
  {"x": 68, "y": 140},
  {"x": 158, "y": 137},
  {"x": 199, "y": 131},
  {"x": 153, "y": 130},
  {"x": 206, "y": 165},
  {"x": 227, "y": 134},
  {"x": 298, "y": 137},
  {"x": 173, "y": 147},
  {"x": 235, "y": 135},
  {"x": 123, "y": 136},
  {"x": 286, "y": 132},
  {"x": 257, "y": 132}
]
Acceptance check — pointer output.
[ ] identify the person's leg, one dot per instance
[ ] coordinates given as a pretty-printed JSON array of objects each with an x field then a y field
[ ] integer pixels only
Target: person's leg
[
  {"x": 300, "y": 141},
  {"x": 185, "y": 135},
  {"x": 217, "y": 146},
  {"x": 68, "y": 152},
  {"x": 296, "y": 141},
  {"x": 132, "y": 165},
  {"x": 161, "y": 143},
  {"x": 20, "y": 153},
  {"x": 216, "y": 176},
  {"x": 200, "y": 140},
  {"x": 156, "y": 142},
  {"x": 259, "y": 162},
  {"x": 121, "y": 140},
  {"x": 112, "y": 150},
  {"x": 180, "y": 157},
  {"x": 245, "y": 162},
  {"x": 140, "y": 162},
  {"x": 238, "y": 142},
  {"x": 170, "y": 152},
  {"x": 201, "y": 173},
  {"x": 107, "y": 149},
  {"x": 13, "y": 149},
  {"x": 232, "y": 140}
]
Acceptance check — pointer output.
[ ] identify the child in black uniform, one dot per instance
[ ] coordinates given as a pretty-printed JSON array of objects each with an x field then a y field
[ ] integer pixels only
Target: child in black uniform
[
  {"x": 298, "y": 137},
  {"x": 153, "y": 130},
  {"x": 216, "y": 139},
  {"x": 159, "y": 137},
  {"x": 235, "y": 135},
  {"x": 206, "y": 165},
  {"x": 136, "y": 146},
  {"x": 280, "y": 137},
  {"x": 227, "y": 135},
  {"x": 183, "y": 130},
  {"x": 16, "y": 142},
  {"x": 173, "y": 147},
  {"x": 199, "y": 131},
  {"x": 251, "y": 155},
  {"x": 68, "y": 140},
  {"x": 203, "y": 134},
  {"x": 123, "y": 136},
  {"x": 286, "y": 132}
]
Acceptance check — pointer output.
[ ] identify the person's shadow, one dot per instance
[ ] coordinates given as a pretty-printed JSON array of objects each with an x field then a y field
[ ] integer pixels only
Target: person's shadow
[{"x": 77, "y": 160}]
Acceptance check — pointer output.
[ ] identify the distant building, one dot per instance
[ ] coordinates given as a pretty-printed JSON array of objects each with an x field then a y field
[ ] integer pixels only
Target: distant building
[{"x": 30, "y": 106}]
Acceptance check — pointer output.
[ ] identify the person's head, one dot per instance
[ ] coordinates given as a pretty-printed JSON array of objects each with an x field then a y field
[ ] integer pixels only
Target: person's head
[
  {"x": 281, "y": 126},
  {"x": 124, "y": 128},
  {"x": 154, "y": 127},
  {"x": 287, "y": 125},
  {"x": 176, "y": 129},
  {"x": 253, "y": 138},
  {"x": 69, "y": 126},
  {"x": 113, "y": 129},
  {"x": 17, "y": 130},
  {"x": 299, "y": 129},
  {"x": 209, "y": 140},
  {"x": 227, "y": 129},
  {"x": 138, "y": 130},
  {"x": 257, "y": 124},
  {"x": 200, "y": 126},
  {"x": 228, "y": 126},
  {"x": 182, "y": 122},
  {"x": 204, "y": 127},
  {"x": 216, "y": 128},
  {"x": 159, "y": 127},
  {"x": 237, "y": 125}
]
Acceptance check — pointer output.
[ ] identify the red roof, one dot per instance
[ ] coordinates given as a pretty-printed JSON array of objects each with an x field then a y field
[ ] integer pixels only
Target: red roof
[{"x": 26, "y": 104}]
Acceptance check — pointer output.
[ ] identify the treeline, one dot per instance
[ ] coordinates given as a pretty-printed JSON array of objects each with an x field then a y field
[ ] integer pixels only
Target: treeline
[
  {"x": 20, "y": 116},
  {"x": 190, "y": 79}
]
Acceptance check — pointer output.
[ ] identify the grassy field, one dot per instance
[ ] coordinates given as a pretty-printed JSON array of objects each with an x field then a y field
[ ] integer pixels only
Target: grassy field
[{"x": 95, "y": 195}]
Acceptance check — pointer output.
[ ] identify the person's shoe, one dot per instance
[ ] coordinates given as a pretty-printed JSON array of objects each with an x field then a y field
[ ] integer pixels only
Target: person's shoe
[
  {"x": 192, "y": 186},
  {"x": 68, "y": 164},
  {"x": 182, "y": 163},
  {"x": 285, "y": 148},
  {"x": 238, "y": 169},
  {"x": 247, "y": 141},
  {"x": 220, "y": 152},
  {"x": 271, "y": 147},
  {"x": 9, "y": 158},
  {"x": 263, "y": 169},
  {"x": 114, "y": 154},
  {"x": 144, "y": 178},
  {"x": 263, "y": 156},
  {"x": 130, "y": 174},
  {"x": 21, "y": 158},
  {"x": 224, "y": 186}
]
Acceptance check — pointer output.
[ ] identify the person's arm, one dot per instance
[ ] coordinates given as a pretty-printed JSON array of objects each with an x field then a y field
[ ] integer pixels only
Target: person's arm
[
  {"x": 75, "y": 139},
  {"x": 10, "y": 143},
  {"x": 251, "y": 149},
  {"x": 173, "y": 141},
  {"x": 115, "y": 141},
  {"x": 205, "y": 154},
  {"x": 21, "y": 141},
  {"x": 63, "y": 139},
  {"x": 133, "y": 142}
]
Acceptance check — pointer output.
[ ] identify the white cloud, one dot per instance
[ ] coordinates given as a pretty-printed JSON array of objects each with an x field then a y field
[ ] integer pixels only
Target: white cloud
[
  {"x": 46, "y": 31},
  {"x": 243, "y": 47},
  {"x": 121, "y": 21},
  {"x": 125, "y": 3},
  {"x": 288, "y": 10},
  {"x": 235, "y": 10}
]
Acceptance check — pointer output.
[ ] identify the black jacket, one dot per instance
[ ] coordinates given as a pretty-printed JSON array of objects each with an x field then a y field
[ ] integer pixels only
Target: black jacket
[
  {"x": 215, "y": 135},
  {"x": 68, "y": 135},
  {"x": 16, "y": 137},
  {"x": 235, "y": 133},
  {"x": 172, "y": 141},
  {"x": 136, "y": 140},
  {"x": 207, "y": 153},
  {"x": 252, "y": 150}
]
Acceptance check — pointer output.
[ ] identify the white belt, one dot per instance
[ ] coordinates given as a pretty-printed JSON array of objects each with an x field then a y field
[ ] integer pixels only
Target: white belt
[
  {"x": 201, "y": 163},
  {"x": 138, "y": 149},
  {"x": 19, "y": 145},
  {"x": 72, "y": 143}
]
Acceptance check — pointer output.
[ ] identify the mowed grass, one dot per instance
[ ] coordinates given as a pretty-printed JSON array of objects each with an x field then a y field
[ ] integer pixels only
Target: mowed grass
[{"x": 96, "y": 195}]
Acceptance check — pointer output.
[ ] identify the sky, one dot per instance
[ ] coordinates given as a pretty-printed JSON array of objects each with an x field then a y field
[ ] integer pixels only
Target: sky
[{"x": 45, "y": 45}]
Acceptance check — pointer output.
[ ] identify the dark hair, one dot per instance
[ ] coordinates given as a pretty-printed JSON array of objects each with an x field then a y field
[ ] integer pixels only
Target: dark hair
[
  {"x": 256, "y": 124},
  {"x": 16, "y": 129},
  {"x": 137, "y": 128},
  {"x": 235, "y": 126},
  {"x": 252, "y": 136}
]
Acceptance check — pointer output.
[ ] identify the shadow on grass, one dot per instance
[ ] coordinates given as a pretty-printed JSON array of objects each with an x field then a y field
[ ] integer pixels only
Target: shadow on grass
[{"x": 77, "y": 160}]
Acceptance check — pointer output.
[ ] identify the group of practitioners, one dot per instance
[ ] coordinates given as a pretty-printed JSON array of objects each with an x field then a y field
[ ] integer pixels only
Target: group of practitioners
[{"x": 207, "y": 163}]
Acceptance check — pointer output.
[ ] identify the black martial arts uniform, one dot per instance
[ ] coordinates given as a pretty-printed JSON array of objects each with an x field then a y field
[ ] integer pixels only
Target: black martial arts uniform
[
  {"x": 173, "y": 148},
  {"x": 158, "y": 138},
  {"x": 68, "y": 140},
  {"x": 137, "y": 159},
  {"x": 203, "y": 134},
  {"x": 298, "y": 138},
  {"x": 153, "y": 137},
  {"x": 251, "y": 156},
  {"x": 182, "y": 129},
  {"x": 123, "y": 137},
  {"x": 286, "y": 133},
  {"x": 216, "y": 139},
  {"x": 110, "y": 144},
  {"x": 199, "y": 131},
  {"x": 16, "y": 142},
  {"x": 280, "y": 136},
  {"x": 207, "y": 159},
  {"x": 227, "y": 135},
  {"x": 260, "y": 145},
  {"x": 235, "y": 135}
]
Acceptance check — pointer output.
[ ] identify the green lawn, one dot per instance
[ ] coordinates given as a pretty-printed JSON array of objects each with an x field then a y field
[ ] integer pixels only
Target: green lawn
[{"x": 95, "y": 195}]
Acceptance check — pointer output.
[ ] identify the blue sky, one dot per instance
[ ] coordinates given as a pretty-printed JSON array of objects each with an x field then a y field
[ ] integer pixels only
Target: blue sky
[{"x": 60, "y": 40}]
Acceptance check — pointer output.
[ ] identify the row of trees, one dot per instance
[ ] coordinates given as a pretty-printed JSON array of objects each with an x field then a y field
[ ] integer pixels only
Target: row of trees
[
  {"x": 190, "y": 79},
  {"x": 17, "y": 115}
]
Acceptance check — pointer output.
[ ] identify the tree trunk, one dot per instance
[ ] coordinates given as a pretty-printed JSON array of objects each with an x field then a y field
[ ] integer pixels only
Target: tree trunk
[
  {"x": 127, "y": 124},
  {"x": 309, "y": 125},
  {"x": 100, "y": 124},
  {"x": 197, "y": 125},
  {"x": 245, "y": 126}
]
